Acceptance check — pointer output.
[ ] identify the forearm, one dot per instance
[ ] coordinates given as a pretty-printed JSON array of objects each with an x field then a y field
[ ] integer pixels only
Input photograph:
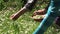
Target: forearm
[{"x": 22, "y": 10}]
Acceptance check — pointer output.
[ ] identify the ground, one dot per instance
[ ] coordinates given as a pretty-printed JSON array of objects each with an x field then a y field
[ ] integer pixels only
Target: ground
[{"x": 24, "y": 24}]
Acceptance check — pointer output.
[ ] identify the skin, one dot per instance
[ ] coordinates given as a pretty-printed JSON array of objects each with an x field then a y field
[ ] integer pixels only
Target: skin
[{"x": 40, "y": 13}]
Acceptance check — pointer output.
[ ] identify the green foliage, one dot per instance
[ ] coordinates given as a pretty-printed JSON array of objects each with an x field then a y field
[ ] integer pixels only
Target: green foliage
[
  {"x": 10, "y": 4},
  {"x": 1, "y": 4},
  {"x": 24, "y": 25}
]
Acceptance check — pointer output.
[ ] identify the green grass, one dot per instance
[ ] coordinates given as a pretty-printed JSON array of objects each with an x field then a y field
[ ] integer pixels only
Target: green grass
[{"x": 24, "y": 24}]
